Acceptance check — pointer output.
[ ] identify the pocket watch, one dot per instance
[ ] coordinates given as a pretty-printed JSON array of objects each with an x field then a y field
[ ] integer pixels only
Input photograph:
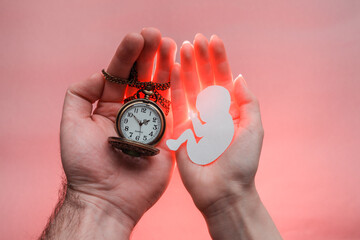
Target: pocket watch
[{"x": 140, "y": 123}]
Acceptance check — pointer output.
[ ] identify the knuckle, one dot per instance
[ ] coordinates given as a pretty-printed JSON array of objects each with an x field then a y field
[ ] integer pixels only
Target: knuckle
[{"x": 72, "y": 88}]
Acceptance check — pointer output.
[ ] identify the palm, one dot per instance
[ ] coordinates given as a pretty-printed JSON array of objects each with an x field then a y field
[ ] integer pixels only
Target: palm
[
  {"x": 206, "y": 184},
  {"x": 92, "y": 167}
]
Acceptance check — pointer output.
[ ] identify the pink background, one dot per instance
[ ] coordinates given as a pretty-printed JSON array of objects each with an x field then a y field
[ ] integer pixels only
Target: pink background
[{"x": 301, "y": 58}]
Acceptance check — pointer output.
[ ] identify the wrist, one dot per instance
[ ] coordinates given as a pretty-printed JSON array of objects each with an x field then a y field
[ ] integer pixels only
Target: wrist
[
  {"x": 100, "y": 217},
  {"x": 241, "y": 216},
  {"x": 233, "y": 201},
  {"x": 82, "y": 216}
]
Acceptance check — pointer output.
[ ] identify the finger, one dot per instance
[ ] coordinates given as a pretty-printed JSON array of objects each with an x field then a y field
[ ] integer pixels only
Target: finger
[
  {"x": 220, "y": 63},
  {"x": 206, "y": 74},
  {"x": 80, "y": 96},
  {"x": 247, "y": 103},
  {"x": 145, "y": 62},
  {"x": 124, "y": 58},
  {"x": 189, "y": 74},
  {"x": 187, "y": 169},
  {"x": 178, "y": 98},
  {"x": 222, "y": 71},
  {"x": 165, "y": 62}
]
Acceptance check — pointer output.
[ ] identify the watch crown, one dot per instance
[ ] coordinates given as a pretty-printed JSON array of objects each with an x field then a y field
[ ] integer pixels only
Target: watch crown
[{"x": 148, "y": 93}]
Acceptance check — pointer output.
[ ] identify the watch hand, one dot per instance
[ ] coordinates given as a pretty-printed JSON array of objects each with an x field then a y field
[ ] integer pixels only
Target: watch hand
[
  {"x": 145, "y": 121},
  {"x": 137, "y": 120},
  {"x": 140, "y": 131}
]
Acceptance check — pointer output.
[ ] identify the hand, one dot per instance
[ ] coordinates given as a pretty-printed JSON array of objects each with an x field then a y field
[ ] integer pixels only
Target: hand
[
  {"x": 234, "y": 171},
  {"x": 119, "y": 185},
  {"x": 145, "y": 121},
  {"x": 224, "y": 191}
]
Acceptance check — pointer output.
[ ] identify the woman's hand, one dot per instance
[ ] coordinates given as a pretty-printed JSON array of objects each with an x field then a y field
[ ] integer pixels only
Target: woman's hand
[{"x": 224, "y": 191}]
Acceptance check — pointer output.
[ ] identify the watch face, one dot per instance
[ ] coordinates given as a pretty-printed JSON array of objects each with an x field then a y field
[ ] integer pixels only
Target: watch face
[{"x": 141, "y": 121}]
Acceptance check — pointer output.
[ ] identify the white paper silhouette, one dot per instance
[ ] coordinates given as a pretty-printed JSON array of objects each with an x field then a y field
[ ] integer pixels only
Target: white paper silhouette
[{"x": 213, "y": 104}]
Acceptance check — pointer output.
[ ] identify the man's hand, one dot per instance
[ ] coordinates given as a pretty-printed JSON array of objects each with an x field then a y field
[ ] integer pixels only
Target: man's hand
[
  {"x": 224, "y": 191},
  {"x": 117, "y": 188}
]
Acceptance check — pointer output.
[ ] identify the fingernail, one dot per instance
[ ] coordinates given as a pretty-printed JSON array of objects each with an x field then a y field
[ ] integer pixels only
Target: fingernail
[
  {"x": 212, "y": 37},
  {"x": 239, "y": 76},
  {"x": 198, "y": 35},
  {"x": 186, "y": 42},
  {"x": 243, "y": 80}
]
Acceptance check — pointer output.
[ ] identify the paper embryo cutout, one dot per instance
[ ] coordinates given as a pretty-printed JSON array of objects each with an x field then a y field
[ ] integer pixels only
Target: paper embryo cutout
[{"x": 213, "y": 104}]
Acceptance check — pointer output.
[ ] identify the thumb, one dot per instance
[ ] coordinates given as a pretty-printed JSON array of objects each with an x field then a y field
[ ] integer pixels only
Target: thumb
[
  {"x": 247, "y": 103},
  {"x": 81, "y": 95}
]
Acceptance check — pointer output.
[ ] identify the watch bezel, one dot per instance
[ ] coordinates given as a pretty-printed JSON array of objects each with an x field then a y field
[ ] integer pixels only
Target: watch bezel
[{"x": 149, "y": 103}]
